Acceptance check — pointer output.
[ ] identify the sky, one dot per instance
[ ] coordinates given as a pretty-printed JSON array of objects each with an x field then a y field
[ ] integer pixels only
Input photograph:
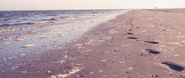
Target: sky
[{"x": 88, "y": 4}]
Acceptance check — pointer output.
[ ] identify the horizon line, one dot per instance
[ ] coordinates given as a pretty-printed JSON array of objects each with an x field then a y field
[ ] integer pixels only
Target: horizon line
[{"x": 87, "y": 9}]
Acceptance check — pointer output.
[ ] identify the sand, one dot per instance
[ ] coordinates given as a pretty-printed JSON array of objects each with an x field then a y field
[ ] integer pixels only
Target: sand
[{"x": 137, "y": 44}]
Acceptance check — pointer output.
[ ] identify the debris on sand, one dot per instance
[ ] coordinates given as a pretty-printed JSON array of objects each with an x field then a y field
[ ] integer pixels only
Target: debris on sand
[
  {"x": 91, "y": 73},
  {"x": 19, "y": 39},
  {"x": 155, "y": 76},
  {"x": 113, "y": 31},
  {"x": 174, "y": 66},
  {"x": 152, "y": 42},
  {"x": 61, "y": 61},
  {"x": 100, "y": 71},
  {"x": 73, "y": 71},
  {"x": 130, "y": 68},
  {"x": 28, "y": 45},
  {"x": 23, "y": 72},
  {"x": 49, "y": 72},
  {"x": 175, "y": 43},
  {"x": 121, "y": 62},
  {"x": 152, "y": 51},
  {"x": 116, "y": 50},
  {"x": 104, "y": 60},
  {"x": 42, "y": 37},
  {"x": 14, "y": 67}
]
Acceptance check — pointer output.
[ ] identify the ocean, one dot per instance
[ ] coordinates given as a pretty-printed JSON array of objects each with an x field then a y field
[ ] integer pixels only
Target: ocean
[{"x": 26, "y": 34}]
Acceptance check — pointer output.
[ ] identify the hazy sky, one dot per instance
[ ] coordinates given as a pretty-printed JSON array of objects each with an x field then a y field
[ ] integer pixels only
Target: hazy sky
[{"x": 88, "y": 4}]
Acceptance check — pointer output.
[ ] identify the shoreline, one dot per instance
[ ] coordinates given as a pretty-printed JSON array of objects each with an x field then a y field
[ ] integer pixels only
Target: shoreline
[
  {"x": 136, "y": 44},
  {"x": 90, "y": 32}
]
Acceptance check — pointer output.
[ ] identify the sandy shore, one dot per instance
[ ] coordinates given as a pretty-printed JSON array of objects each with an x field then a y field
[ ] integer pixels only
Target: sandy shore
[{"x": 137, "y": 44}]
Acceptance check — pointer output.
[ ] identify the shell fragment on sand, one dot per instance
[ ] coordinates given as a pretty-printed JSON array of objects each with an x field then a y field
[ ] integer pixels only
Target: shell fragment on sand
[
  {"x": 28, "y": 45},
  {"x": 113, "y": 31},
  {"x": 100, "y": 71},
  {"x": 73, "y": 71},
  {"x": 19, "y": 39}
]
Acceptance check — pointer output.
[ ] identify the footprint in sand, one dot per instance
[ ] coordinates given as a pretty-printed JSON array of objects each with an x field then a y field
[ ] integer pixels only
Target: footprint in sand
[
  {"x": 173, "y": 66},
  {"x": 152, "y": 42},
  {"x": 132, "y": 37},
  {"x": 130, "y": 33},
  {"x": 152, "y": 51}
]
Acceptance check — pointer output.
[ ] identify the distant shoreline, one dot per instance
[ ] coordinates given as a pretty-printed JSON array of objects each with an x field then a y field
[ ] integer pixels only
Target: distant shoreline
[{"x": 98, "y": 9}]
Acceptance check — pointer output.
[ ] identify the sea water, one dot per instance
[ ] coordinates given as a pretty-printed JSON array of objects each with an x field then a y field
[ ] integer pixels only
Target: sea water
[{"x": 29, "y": 33}]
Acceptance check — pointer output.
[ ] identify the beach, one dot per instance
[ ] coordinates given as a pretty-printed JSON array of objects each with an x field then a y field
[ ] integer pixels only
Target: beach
[{"x": 136, "y": 44}]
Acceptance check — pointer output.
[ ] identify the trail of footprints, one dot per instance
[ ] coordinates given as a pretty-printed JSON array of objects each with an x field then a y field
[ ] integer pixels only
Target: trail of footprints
[{"x": 171, "y": 65}]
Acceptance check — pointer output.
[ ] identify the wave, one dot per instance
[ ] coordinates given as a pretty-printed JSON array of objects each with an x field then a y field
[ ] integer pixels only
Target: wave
[
  {"x": 56, "y": 18},
  {"x": 27, "y": 23},
  {"x": 53, "y": 19},
  {"x": 38, "y": 22}
]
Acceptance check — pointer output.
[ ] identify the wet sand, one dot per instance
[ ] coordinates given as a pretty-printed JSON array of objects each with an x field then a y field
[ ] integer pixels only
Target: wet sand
[{"x": 137, "y": 44}]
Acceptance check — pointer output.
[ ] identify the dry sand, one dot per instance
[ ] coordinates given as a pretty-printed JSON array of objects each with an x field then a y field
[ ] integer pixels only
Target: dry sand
[{"x": 137, "y": 44}]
